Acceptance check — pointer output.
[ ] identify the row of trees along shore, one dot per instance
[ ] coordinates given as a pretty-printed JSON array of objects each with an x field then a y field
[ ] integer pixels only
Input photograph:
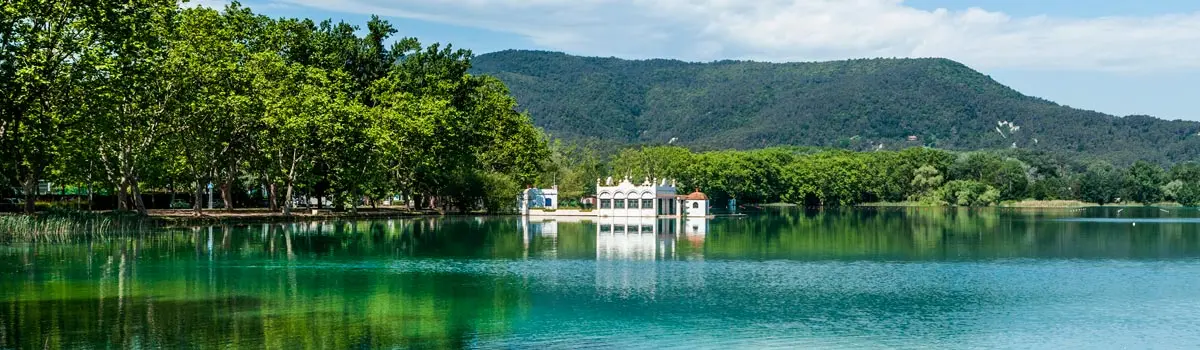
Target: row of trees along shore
[
  {"x": 824, "y": 177},
  {"x": 137, "y": 95},
  {"x": 144, "y": 95}
]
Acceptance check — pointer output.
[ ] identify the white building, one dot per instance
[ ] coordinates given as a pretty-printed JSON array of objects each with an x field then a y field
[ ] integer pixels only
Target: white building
[
  {"x": 650, "y": 198},
  {"x": 696, "y": 204},
  {"x": 538, "y": 198}
]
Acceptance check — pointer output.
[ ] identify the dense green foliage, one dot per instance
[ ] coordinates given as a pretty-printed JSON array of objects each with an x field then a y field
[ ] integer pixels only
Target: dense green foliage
[
  {"x": 833, "y": 177},
  {"x": 146, "y": 96},
  {"x": 854, "y": 104},
  {"x": 134, "y": 95}
]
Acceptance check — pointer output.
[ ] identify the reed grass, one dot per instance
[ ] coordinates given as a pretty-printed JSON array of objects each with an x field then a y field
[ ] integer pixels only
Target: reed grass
[{"x": 58, "y": 226}]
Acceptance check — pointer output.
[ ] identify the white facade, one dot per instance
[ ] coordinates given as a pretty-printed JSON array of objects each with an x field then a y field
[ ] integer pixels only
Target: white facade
[
  {"x": 550, "y": 198},
  {"x": 651, "y": 198},
  {"x": 538, "y": 198},
  {"x": 696, "y": 207}
]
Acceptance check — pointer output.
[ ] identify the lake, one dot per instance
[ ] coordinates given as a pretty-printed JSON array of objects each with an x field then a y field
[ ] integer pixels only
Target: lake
[{"x": 785, "y": 278}]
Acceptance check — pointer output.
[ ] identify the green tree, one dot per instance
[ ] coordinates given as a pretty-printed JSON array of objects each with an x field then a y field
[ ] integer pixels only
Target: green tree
[
  {"x": 1011, "y": 179},
  {"x": 1171, "y": 190},
  {"x": 1144, "y": 183},
  {"x": 298, "y": 102},
  {"x": 653, "y": 162},
  {"x": 574, "y": 168},
  {"x": 966, "y": 193},
  {"x": 131, "y": 94},
  {"x": 1188, "y": 194},
  {"x": 1101, "y": 184},
  {"x": 1185, "y": 171},
  {"x": 40, "y": 42},
  {"x": 925, "y": 179},
  {"x": 512, "y": 145},
  {"x": 209, "y": 127}
]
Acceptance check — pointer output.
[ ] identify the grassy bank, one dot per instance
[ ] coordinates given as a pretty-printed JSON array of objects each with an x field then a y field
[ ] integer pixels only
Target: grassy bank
[{"x": 1032, "y": 203}]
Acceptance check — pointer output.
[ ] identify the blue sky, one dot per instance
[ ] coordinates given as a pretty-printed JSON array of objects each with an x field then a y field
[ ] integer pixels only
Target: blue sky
[{"x": 1117, "y": 57}]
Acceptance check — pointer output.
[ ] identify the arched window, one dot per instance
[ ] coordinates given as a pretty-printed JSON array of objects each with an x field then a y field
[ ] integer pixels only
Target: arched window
[{"x": 695, "y": 205}]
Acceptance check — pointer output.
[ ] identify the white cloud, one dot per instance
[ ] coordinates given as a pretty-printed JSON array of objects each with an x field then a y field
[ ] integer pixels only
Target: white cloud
[{"x": 800, "y": 30}]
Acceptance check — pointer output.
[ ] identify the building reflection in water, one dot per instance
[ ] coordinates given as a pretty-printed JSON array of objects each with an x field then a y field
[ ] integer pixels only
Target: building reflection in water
[{"x": 628, "y": 249}]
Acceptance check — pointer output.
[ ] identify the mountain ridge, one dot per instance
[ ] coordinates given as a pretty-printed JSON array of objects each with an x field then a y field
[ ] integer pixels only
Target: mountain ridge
[{"x": 857, "y": 104}]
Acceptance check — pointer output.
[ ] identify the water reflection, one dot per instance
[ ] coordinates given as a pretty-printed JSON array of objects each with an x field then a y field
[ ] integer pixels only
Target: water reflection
[
  {"x": 618, "y": 238},
  {"x": 309, "y": 285},
  {"x": 462, "y": 282}
]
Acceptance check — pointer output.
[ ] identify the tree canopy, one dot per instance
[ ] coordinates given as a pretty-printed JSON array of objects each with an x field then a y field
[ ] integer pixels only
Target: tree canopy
[{"x": 129, "y": 96}]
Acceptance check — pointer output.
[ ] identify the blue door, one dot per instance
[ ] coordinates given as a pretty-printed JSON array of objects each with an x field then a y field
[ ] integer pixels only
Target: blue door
[{"x": 548, "y": 203}]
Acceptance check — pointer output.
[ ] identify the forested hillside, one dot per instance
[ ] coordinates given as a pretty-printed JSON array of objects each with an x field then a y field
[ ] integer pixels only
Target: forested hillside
[{"x": 856, "y": 104}]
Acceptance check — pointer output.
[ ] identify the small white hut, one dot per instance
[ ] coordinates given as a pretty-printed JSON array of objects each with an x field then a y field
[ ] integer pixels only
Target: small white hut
[
  {"x": 696, "y": 204},
  {"x": 538, "y": 198}
]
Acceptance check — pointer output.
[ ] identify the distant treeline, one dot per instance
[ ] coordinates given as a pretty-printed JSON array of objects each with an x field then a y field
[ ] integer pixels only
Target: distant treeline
[
  {"x": 131, "y": 97},
  {"x": 824, "y": 177},
  {"x": 859, "y": 104}
]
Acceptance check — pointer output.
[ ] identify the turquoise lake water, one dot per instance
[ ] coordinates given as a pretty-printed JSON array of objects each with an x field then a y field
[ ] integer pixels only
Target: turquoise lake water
[{"x": 790, "y": 278}]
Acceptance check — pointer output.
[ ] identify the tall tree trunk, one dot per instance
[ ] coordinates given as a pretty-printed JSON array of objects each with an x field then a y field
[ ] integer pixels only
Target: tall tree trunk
[
  {"x": 272, "y": 202},
  {"x": 227, "y": 194},
  {"x": 198, "y": 202},
  {"x": 227, "y": 187},
  {"x": 137, "y": 197},
  {"x": 91, "y": 198},
  {"x": 123, "y": 194},
  {"x": 287, "y": 203},
  {"x": 30, "y": 187}
]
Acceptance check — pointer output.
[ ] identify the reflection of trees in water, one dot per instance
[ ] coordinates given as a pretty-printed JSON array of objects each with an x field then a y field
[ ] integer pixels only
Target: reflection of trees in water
[
  {"x": 333, "y": 284},
  {"x": 319, "y": 312},
  {"x": 238, "y": 285},
  {"x": 942, "y": 233}
]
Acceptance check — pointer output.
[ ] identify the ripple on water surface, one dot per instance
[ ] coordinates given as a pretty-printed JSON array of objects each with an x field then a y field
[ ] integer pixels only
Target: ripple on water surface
[
  {"x": 834, "y": 279},
  {"x": 832, "y": 304}
]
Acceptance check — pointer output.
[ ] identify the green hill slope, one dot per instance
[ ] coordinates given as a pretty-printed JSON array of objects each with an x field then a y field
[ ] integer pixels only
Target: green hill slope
[{"x": 858, "y": 104}]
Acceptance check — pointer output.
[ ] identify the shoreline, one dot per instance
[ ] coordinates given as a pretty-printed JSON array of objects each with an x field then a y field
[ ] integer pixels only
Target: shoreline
[
  {"x": 262, "y": 215},
  {"x": 185, "y": 217},
  {"x": 252, "y": 216}
]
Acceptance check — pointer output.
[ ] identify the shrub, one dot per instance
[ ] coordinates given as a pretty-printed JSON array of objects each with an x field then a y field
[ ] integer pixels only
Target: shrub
[
  {"x": 1188, "y": 194},
  {"x": 500, "y": 192},
  {"x": 963, "y": 193}
]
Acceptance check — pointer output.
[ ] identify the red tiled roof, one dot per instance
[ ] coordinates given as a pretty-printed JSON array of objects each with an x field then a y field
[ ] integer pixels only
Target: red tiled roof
[{"x": 696, "y": 196}]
